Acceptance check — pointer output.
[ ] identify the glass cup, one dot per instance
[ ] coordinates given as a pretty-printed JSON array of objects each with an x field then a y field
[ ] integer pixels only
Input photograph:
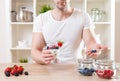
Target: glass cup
[
  {"x": 54, "y": 49},
  {"x": 86, "y": 67},
  {"x": 117, "y": 71},
  {"x": 105, "y": 69}
]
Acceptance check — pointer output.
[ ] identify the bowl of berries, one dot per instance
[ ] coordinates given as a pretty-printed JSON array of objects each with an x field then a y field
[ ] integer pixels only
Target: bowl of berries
[
  {"x": 105, "y": 69},
  {"x": 86, "y": 67}
]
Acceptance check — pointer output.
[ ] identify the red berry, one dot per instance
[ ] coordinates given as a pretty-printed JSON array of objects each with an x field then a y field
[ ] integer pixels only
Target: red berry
[
  {"x": 15, "y": 67},
  {"x": 60, "y": 43},
  {"x": 100, "y": 73},
  {"x": 112, "y": 72},
  {"x": 13, "y": 71},
  {"x": 96, "y": 71},
  {"x": 8, "y": 69},
  {"x": 54, "y": 46},
  {"x": 107, "y": 74},
  {"x": 20, "y": 69}
]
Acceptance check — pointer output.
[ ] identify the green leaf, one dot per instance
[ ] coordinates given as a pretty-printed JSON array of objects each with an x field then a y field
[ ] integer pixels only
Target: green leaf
[
  {"x": 45, "y": 8},
  {"x": 23, "y": 60}
]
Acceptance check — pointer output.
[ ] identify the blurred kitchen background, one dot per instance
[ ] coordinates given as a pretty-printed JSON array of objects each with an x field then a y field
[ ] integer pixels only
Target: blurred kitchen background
[{"x": 11, "y": 54}]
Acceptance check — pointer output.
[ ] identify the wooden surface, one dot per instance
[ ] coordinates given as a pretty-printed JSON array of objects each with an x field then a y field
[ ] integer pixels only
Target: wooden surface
[{"x": 53, "y": 72}]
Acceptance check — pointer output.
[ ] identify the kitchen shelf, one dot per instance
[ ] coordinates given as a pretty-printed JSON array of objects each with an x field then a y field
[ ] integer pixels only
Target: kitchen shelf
[
  {"x": 102, "y": 23},
  {"x": 23, "y": 1},
  {"x": 21, "y": 23},
  {"x": 104, "y": 5},
  {"x": 19, "y": 49}
]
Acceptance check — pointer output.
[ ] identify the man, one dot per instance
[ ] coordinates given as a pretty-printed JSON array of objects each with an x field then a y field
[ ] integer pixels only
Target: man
[{"x": 63, "y": 23}]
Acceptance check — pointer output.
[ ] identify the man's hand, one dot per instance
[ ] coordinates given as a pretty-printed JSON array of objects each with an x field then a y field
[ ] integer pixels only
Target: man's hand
[
  {"x": 46, "y": 57},
  {"x": 95, "y": 50}
]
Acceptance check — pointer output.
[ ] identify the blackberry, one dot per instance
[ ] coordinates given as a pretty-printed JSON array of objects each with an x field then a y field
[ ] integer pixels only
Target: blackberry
[
  {"x": 16, "y": 74},
  {"x": 26, "y": 73},
  {"x": 57, "y": 47},
  {"x": 7, "y": 74},
  {"x": 48, "y": 47}
]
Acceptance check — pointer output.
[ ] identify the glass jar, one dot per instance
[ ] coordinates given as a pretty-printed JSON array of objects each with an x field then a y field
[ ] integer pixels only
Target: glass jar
[
  {"x": 95, "y": 14},
  {"x": 86, "y": 67},
  {"x": 102, "y": 15},
  {"x": 105, "y": 69}
]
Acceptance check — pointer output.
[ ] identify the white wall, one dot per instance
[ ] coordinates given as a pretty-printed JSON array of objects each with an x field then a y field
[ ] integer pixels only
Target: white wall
[
  {"x": 4, "y": 39},
  {"x": 117, "y": 32}
]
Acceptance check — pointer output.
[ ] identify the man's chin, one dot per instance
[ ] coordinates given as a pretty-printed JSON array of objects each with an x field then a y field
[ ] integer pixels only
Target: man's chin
[{"x": 61, "y": 8}]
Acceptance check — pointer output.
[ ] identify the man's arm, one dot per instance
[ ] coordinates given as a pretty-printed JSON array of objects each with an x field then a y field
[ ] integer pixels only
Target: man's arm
[
  {"x": 37, "y": 46},
  {"x": 38, "y": 55},
  {"x": 89, "y": 37}
]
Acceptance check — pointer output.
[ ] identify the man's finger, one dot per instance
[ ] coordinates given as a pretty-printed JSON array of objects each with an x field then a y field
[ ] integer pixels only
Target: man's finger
[
  {"x": 48, "y": 55},
  {"x": 49, "y": 59},
  {"x": 103, "y": 47}
]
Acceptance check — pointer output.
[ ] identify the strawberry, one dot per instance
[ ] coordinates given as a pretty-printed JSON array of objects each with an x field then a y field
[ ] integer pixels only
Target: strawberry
[
  {"x": 60, "y": 43},
  {"x": 8, "y": 69}
]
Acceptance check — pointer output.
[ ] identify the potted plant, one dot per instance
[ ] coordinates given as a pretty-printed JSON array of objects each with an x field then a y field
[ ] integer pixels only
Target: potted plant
[
  {"x": 45, "y": 8},
  {"x": 23, "y": 60}
]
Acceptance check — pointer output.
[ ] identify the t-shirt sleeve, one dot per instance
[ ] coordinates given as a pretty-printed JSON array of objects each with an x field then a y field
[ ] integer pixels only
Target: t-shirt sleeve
[
  {"x": 88, "y": 23},
  {"x": 37, "y": 26}
]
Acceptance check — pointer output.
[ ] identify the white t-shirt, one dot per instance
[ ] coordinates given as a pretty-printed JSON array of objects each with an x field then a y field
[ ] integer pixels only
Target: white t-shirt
[{"x": 68, "y": 30}]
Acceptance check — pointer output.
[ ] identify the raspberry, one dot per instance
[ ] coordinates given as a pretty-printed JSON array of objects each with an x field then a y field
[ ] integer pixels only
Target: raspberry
[
  {"x": 15, "y": 67},
  {"x": 8, "y": 69},
  {"x": 107, "y": 74},
  {"x": 13, "y": 71}
]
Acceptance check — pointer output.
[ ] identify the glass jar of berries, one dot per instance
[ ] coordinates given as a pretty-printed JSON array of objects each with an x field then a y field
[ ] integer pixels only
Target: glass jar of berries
[
  {"x": 105, "y": 69},
  {"x": 86, "y": 67}
]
